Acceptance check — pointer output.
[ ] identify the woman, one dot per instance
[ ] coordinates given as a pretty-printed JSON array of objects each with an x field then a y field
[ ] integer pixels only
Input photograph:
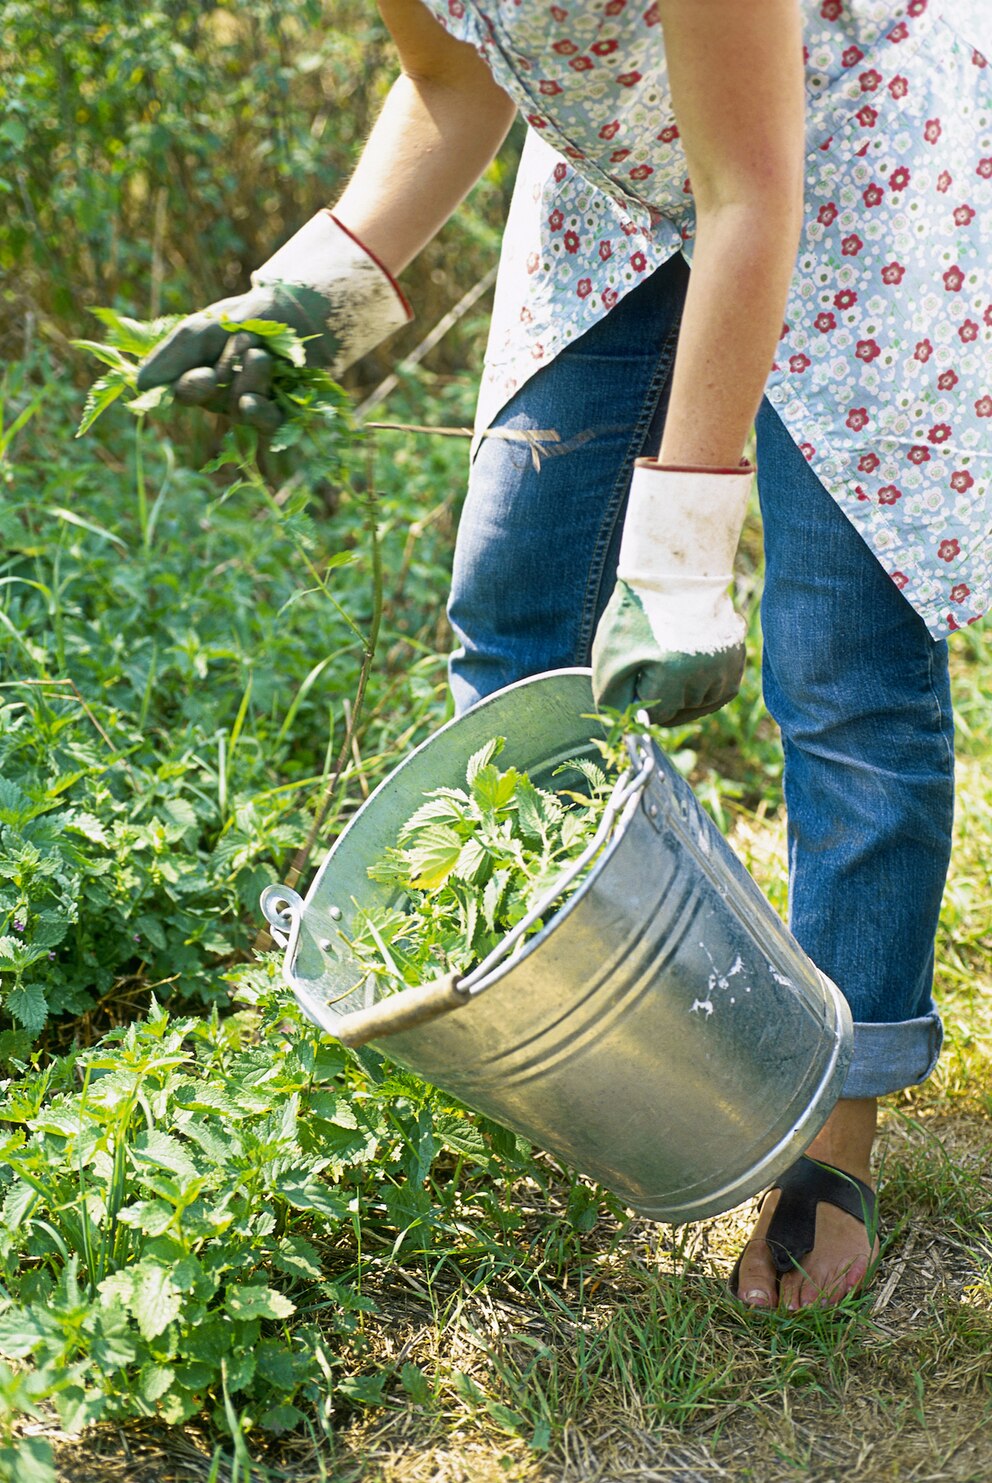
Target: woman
[{"x": 674, "y": 131}]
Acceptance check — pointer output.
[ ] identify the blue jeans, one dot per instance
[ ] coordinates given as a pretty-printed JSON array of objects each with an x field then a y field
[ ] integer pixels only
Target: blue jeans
[{"x": 855, "y": 682}]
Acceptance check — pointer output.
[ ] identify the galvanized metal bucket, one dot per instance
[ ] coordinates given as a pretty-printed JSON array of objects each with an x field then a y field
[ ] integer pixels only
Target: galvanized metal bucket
[{"x": 662, "y": 1033}]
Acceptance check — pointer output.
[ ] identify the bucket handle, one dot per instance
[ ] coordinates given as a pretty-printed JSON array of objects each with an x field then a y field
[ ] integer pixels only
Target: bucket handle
[{"x": 403, "y": 1011}]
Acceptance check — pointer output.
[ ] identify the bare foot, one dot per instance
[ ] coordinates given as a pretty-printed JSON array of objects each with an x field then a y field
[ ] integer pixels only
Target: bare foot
[{"x": 843, "y": 1250}]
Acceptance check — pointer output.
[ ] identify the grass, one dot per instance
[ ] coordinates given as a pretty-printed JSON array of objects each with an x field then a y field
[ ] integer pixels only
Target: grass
[{"x": 462, "y": 1308}]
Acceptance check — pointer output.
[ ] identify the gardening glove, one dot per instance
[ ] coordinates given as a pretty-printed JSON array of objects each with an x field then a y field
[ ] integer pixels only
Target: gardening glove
[
  {"x": 670, "y": 638},
  {"x": 323, "y": 283}
]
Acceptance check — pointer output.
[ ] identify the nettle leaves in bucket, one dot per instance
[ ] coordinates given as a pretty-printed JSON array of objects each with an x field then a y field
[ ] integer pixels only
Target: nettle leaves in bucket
[
  {"x": 306, "y": 397},
  {"x": 472, "y": 862}
]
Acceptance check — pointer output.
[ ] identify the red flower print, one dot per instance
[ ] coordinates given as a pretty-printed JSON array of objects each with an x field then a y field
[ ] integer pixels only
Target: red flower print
[
  {"x": 609, "y": 297},
  {"x": 947, "y": 380},
  {"x": 548, "y": 88},
  {"x": 857, "y": 418},
  {"x": 953, "y": 279},
  {"x": 968, "y": 331},
  {"x": 870, "y": 80},
  {"x": 987, "y": 316},
  {"x": 898, "y": 87},
  {"x": 456, "y": 9},
  {"x": 918, "y": 454},
  {"x": 831, "y": 10},
  {"x": 939, "y": 433},
  {"x": 614, "y": 7},
  {"x": 584, "y": 288},
  {"x": 963, "y": 216},
  {"x": 571, "y": 240},
  {"x": 959, "y": 592},
  {"x": 860, "y": 492},
  {"x": 846, "y": 298},
  {"x": 900, "y": 579},
  {"x": 605, "y": 250},
  {"x": 618, "y": 156},
  {"x": 526, "y": 317},
  {"x": 538, "y": 351},
  {"x": 983, "y": 407},
  {"x": 899, "y": 179},
  {"x": 932, "y": 130},
  {"x": 651, "y": 16},
  {"x": 560, "y": 172},
  {"x": 961, "y": 482},
  {"x": 582, "y": 64},
  {"x": 798, "y": 363},
  {"x": 628, "y": 79},
  {"x": 687, "y": 186},
  {"x": 978, "y": 59},
  {"x": 667, "y": 135},
  {"x": 628, "y": 228},
  {"x": 867, "y": 350},
  {"x": 558, "y": 13},
  {"x": 536, "y": 121},
  {"x": 952, "y": 622},
  {"x": 638, "y": 262},
  {"x": 604, "y": 48},
  {"x": 923, "y": 350},
  {"x": 944, "y": 180},
  {"x": 900, "y": 32},
  {"x": 610, "y": 131},
  {"x": 947, "y": 550},
  {"x": 825, "y": 322},
  {"x": 916, "y": 7},
  {"x": 873, "y": 195},
  {"x": 888, "y": 494},
  {"x": 641, "y": 172},
  {"x": 984, "y": 168},
  {"x": 852, "y": 56},
  {"x": 565, "y": 48},
  {"x": 556, "y": 221},
  {"x": 807, "y": 450},
  {"x": 827, "y": 214},
  {"x": 852, "y": 245},
  {"x": 867, "y": 117},
  {"x": 893, "y": 273},
  {"x": 868, "y": 463},
  {"x": 573, "y": 153},
  {"x": 533, "y": 262},
  {"x": 785, "y": 330}
]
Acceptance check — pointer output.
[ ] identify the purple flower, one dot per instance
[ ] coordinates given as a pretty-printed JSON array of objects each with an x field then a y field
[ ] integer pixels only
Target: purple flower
[{"x": 19, "y": 926}]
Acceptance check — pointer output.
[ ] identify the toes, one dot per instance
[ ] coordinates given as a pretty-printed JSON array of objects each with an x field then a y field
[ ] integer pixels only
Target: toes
[{"x": 757, "y": 1282}]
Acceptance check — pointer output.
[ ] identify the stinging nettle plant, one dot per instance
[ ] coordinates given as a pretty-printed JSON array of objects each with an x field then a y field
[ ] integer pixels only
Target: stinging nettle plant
[{"x": 472, "y": 862}]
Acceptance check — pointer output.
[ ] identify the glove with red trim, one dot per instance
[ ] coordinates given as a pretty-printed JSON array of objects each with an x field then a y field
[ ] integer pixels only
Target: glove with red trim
[
  {"x": 323, "y": 283},
  {"x": 670, "y": 639}
]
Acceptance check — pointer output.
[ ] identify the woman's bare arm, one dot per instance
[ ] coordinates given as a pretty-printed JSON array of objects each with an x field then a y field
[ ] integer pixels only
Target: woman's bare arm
[
  {"x": 736, "y": 73},
  {"x": 442, "y": 123}
]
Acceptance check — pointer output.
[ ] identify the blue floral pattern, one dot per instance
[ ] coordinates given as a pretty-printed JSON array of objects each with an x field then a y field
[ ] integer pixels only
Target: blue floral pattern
[{"x": 884, "y": 375}]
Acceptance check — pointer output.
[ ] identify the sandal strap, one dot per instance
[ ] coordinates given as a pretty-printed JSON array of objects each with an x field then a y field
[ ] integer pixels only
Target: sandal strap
[{"x": 808, "y": 1183}]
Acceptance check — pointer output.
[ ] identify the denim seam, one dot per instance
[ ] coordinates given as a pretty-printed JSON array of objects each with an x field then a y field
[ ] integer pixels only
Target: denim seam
[{"x": 619, "y": 490}]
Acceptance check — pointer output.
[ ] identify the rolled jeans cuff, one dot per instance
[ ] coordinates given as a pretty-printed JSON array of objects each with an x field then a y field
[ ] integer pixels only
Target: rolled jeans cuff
[{"x": 889, "y": 1057}]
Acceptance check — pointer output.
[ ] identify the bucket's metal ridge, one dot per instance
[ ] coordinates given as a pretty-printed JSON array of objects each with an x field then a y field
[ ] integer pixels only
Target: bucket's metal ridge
[{"x": 663, "y": 1033}]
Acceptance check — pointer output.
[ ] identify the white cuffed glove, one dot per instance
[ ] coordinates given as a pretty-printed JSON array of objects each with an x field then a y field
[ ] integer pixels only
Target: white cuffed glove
[
  {"x": 670, "y": 639},
  {"x": 323, "y": 283}
]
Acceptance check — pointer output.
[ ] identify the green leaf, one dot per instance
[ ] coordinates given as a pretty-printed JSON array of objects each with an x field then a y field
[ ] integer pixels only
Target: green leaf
[
  {"x": 155, "y": 1299},
  {"x": 152, "y": 400},
  {"x": 434, "y": 856},
  {"x": 257, "y": 1301},
  {"x": 136, "y": 336},
  {"x": 414, "y": 1382},
  {"x": 483, "y": 757},
  {"x": 27, "y": 1003},
  {"x": 101, "y": 395},
  {"x": 278, "y": 338}
]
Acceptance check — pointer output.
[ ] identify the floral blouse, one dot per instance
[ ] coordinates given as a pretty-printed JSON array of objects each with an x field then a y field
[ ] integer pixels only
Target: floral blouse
[{"x": 884, "y": 372}]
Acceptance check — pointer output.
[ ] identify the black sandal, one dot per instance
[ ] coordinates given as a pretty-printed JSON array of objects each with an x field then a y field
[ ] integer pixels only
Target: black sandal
[{"x": 792, "y": 1229}]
